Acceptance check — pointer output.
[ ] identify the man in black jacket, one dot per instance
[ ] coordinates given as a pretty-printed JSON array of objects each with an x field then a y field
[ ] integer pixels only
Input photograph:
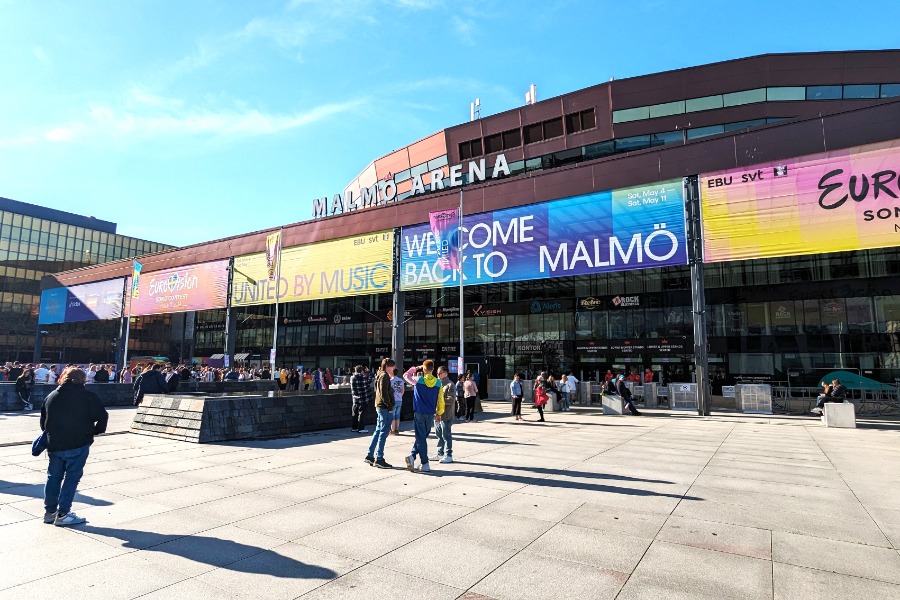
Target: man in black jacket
[
  {"x": 150, "y": 381},
  {"x": 623, "y": 391},
  {"x": 71, "y": 416},
  {"x": 102, "y": 375}
]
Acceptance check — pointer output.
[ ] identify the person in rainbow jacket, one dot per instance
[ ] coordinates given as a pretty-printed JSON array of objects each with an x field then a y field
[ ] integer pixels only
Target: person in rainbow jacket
[{"x": 428, "y": 406}]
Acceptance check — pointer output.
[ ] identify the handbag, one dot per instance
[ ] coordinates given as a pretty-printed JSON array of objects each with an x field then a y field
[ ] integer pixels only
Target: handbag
[{"x": 39, "y": 444}]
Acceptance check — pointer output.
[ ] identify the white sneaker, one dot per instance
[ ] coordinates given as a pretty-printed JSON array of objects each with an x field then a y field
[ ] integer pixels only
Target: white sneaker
[
  {"x": 68, "y": 520},
  {"x": 410, "y": 463},
  {"x": 425, "y": 468},
  {"x": 437, "y": 457},
  {"x": 363, "y": 431},
  {"x": 447, "y": 459}
]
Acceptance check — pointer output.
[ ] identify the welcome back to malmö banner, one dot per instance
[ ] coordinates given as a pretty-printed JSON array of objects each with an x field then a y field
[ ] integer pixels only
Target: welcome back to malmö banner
[{"x": 620, "y": 230}]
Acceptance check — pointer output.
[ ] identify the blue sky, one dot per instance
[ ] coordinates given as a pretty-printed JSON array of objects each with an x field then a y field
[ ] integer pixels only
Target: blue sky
[{"x": 190, "y": 120}]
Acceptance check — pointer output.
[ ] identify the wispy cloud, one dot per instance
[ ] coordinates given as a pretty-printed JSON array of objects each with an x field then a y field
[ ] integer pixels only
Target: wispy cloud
[
  {"x": 237, "y": 122},
  {"x": 464, "y": 29},
  {"x": 143, "y": 116},
  {"x": 41, "y": 54}
]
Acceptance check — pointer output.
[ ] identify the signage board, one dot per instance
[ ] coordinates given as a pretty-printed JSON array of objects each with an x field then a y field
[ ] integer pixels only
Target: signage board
[
  {"x": 334, "y": 269},
  {"x": 194, "y": 287},
  {"x": 829, "y": 202},
  {"x": 632, "y": 228},
  {"x": 86, "y": 302}
]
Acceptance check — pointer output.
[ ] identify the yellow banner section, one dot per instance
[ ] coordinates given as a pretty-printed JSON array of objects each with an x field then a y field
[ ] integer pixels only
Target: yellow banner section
[{"x": 350, "y": 266}]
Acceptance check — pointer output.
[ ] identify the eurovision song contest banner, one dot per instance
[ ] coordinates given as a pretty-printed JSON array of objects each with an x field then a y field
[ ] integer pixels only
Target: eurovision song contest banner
[
  {"x": 86, "y": 302},
  {"x": 182, "y": 289},
  {"x": 350, "y": 266},
  {"x": 620, "y": 230},
  {"x": 830, "y": 202}
]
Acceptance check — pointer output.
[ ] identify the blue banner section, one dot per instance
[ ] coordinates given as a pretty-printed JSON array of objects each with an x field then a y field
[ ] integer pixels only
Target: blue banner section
[
  {"x": 87, "y": 302},
  {"x": 620, "y": 230}
]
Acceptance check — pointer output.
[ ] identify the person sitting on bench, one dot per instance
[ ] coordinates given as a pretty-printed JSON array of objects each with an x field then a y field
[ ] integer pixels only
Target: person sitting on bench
[{"x": 836, "y": 392}]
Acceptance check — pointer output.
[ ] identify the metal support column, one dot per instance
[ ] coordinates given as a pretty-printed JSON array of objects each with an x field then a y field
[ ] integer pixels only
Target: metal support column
[
  {"x": 230, "y": 320},
  {"x": 398, "y": 308},
  {"x": 698, "y": 294}
]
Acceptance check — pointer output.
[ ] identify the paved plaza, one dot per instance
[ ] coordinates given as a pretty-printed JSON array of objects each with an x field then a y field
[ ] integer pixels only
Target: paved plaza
[{"x": 584, "y": 506}]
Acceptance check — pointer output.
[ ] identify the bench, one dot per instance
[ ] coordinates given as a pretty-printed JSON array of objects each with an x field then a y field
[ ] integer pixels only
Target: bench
[
  {"x": 839, "y": 414},
  {"x": 612, "y": 404}
]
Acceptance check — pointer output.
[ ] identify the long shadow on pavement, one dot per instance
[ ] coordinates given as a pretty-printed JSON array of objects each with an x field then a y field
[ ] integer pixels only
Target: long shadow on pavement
[
  {"x": 36, "y": 490},
  {"x": 225, "y": 554},
  {"x": 555, "y": 483}
]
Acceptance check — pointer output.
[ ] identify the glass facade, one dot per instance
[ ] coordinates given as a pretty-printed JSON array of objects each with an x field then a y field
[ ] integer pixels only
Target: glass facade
[
  {"x": 32, "y": 244},
  {"x": 769, "y": 319},
  {"x": 772, "y": 94}
]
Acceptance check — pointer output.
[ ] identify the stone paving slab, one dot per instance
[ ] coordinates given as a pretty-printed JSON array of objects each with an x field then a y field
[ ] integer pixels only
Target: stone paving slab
[{"x": 583, "y": 506}]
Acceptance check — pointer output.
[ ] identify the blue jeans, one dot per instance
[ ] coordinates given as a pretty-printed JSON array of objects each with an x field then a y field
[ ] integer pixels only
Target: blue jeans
[
  {"x": 564, "y": 400},
  {"x": 59, "y": 492},
  {"x": 422, "y": 424},
  {"x": 444, "y": 431},
  {"x": 397, "y": 408},
  {"x": 381, "y": 428}
]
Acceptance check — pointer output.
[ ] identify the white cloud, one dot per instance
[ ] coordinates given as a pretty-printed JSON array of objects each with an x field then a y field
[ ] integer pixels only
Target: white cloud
[
  {"x": 23, "y": 140},
  {"x": 165, "y": 119},
  {"x": 464, "y": 30},
  {"x": 41, "y": 54}
]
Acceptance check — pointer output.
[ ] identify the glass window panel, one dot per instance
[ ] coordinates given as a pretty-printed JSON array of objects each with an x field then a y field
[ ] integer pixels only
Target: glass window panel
[
  {"x": 704, "y": 103},
  {"x": 588, "y": 119},
  {"x": 437, "y": 163},
  {"x": 598, "y": 150},
  {"x": 780, "y": 94},
  {"x": 636, "y": 142},
  {"x": 823, "y": 92},
  {"x": 666, "y": 109},
  {"x": 744, "y": 124},
  {"x": 512, "y": 139},
  {"x": 861, "y": 91},
  {"x": 699, "y": 132},
  {"x": 630, "y": 114},
  {"x": 890, "y": 90},
  {"x": 859, "y": 315},
  {"x": 553, "y": 128},
  {"x": 533, "y": 133},
  {"x": 834, "y": 315},
  {"x": 493, "y": 143},
  {"x": 783, "y": 316},
  {"x": 419, "y": 169},
  {"x": 573, "y": 123},
  {"x": 402, "y": 176},
  {"x": 744, "y": 97},
  {"x": 667, "y": 137},
  {"x": 887, "y": 309}
]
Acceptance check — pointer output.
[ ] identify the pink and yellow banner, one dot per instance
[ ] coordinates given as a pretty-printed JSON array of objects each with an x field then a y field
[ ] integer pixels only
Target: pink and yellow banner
[
  {"x": 830, "y": 202},
  {"x": 195, "y": 287}
]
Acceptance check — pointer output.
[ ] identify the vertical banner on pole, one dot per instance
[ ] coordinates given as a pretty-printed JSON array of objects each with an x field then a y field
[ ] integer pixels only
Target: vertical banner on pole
[
  {"x": 273, "y": 249},
  {"x": 273, "y": 268},
  {"x": 135, "y": 279},
  {"x": 445, "y": 228}
]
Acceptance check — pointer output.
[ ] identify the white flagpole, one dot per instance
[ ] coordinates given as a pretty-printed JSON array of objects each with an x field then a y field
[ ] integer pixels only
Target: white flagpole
[
  {"x": 277, "y": 285},
  {"x": 461, "y": 364}
]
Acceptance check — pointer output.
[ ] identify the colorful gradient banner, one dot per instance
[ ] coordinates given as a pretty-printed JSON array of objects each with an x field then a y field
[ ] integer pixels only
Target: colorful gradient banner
[
  {"x": 632, "y": 228},
  {"x": 196, "y": 287},
  {"x": 830, "y": 202},
  {"x": 86, "y": 302},
  {"x": 445, "y": 228},
  {"x": 335, "y": 269}
]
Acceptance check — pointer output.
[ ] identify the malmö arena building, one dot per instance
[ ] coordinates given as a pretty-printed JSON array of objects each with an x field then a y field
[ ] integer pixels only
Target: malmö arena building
[{"x": 737, "y": 220}]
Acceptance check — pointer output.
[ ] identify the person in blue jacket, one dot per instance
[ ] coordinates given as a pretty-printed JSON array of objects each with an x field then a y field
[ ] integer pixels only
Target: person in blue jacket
[{"x": 428, "y": 406}]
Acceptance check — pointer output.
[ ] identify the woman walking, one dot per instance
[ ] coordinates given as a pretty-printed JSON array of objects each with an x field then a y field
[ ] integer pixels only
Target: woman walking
[
  {"x": 540, "y": 394},
  {"x": 24, "y": 386},
  {"x": 471, "y": 391}
]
